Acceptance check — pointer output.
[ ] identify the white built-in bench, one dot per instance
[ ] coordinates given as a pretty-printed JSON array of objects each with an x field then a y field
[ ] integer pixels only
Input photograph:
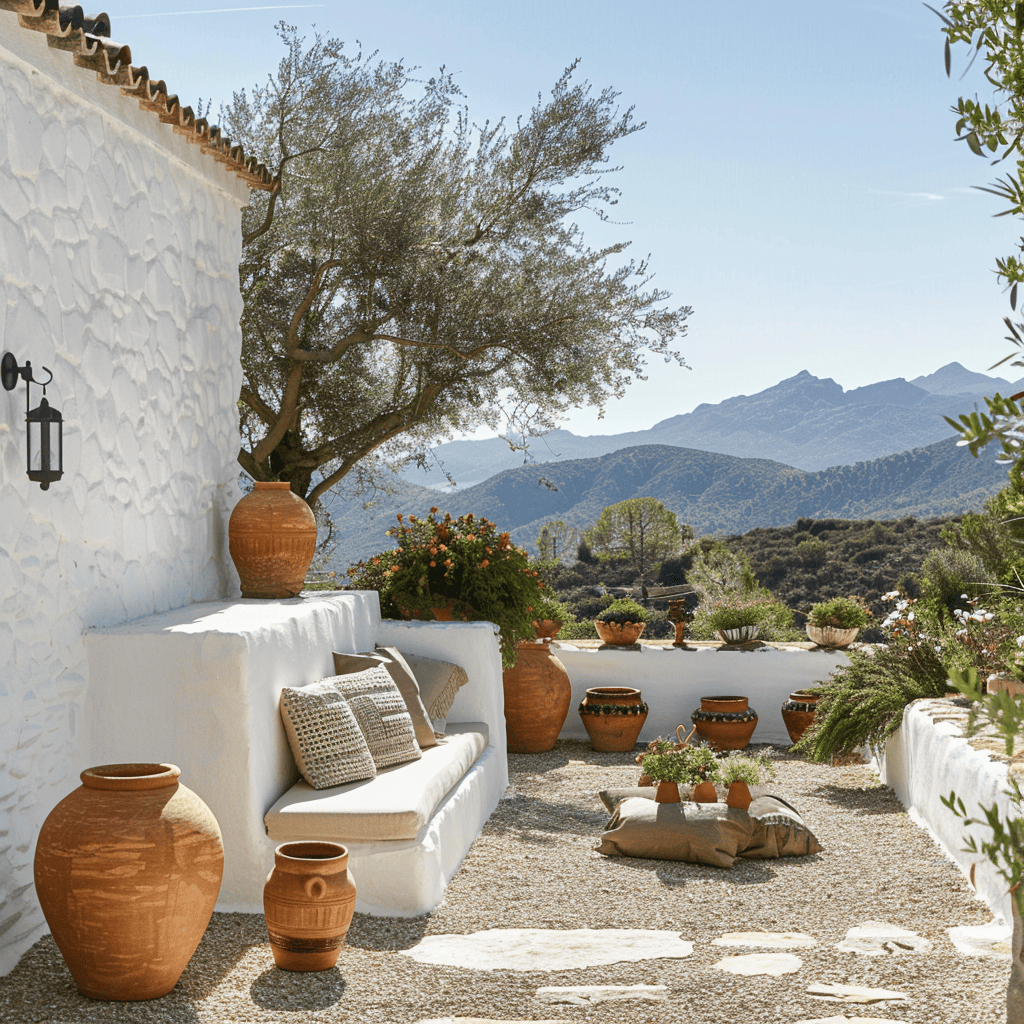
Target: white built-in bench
[{"x": 200, "y": 687}]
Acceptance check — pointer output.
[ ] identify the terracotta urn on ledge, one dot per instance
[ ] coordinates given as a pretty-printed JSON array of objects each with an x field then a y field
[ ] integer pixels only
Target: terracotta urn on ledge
[{"x": 272, "y": 539}]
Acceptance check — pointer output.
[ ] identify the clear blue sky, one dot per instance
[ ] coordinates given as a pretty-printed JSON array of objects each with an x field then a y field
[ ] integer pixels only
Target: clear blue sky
[{"x": 797, "y": 183}]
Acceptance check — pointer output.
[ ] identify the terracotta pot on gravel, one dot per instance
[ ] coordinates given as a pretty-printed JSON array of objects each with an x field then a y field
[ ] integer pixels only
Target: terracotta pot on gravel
[
  {"x": 726, "y": 723},
  {"x": 798, "y": 712},
  {"x": 537, "y": 698},
  {"x": 272, "y": 538},
  {"x": 127, "y": 871},
  {"x": 613, "y": 717},
  {"x": 308, "y": 901}
]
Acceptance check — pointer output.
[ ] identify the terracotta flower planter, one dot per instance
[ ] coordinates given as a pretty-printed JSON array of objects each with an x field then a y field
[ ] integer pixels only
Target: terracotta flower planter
[
  {"x": 667, "y": 792},
  {"x": 127, "y": 871},
  {"x": 272, "y": 538},
  {"x": 798, "y": 712},
  {"x": 704, "y": 793},
  {"x": 616, "y": 634},
  {"x": 738, "y": 795},
  {"x": 831, "y": 636},
  {"x": 537, "y": 699},
  {"x": 546, "y": 629},
  {"x": 613, "y": 717},
  {"x": 726, "y": 723},
  {"x": 308, "y": 901}
]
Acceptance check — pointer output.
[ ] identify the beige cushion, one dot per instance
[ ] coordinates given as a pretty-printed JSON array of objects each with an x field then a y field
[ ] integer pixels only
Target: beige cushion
[
  {"x": 439, "y": 682},
  {"x": 401, "y": 673},
  {"x": 396, "y": 804},
  {"x": 381, "y": 713},
  {"x": 706, "y": 833},
  {"x": 326, "y": 741}
]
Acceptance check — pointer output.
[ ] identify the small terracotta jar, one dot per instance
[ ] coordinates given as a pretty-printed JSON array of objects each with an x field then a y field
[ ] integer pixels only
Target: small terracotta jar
[
  {"x": 738, "y": 795},
  {"x": 667, "y": 792},
  {"x": 704, "y": 793},
  {"x": 308, "y": 901}
]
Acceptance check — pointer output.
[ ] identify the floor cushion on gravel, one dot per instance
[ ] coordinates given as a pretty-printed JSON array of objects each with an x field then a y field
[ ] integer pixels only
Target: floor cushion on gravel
[{"x": 706, "y": 833}]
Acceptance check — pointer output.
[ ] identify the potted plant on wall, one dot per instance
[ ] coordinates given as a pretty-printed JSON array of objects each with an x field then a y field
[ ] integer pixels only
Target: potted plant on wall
[
  {"x": 740, "y": 772},
  {"x": 835, "y": 623},
  {"x": 738, "y": 622},
  {"x": 455, "y": 568},
  {"x": 621, "y": 623}
]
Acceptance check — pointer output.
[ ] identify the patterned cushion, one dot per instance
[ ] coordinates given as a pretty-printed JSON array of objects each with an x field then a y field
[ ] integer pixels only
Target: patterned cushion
[
  {"x": 376, "y": 702},
  {"x": 326, "y": 741},
  {"x": 439, "y": 682}
]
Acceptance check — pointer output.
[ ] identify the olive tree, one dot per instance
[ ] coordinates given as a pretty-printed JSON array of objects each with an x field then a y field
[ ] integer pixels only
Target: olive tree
[
  {"x": 640, "y": 529},
  {"x": 414, "y": 274},
  {"x": 557, "y": 540}
]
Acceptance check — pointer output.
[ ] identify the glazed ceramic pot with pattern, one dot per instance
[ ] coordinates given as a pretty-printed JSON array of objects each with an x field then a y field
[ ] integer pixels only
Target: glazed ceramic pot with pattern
[
  {"x": 725, "y": 723},
  {"x": 308, "y": 901},
  {"x": 739, "y": 635},
  {"x": 537, "y": 699},
  {"x": 798, "y": 712},
  {"x": 831, "y": 636},
  {"x": 613, "y": 717},
  {"x": 127, "y": 871},
  {"x": 619, "y": 634},
  {"x": 272, "y": 538}
]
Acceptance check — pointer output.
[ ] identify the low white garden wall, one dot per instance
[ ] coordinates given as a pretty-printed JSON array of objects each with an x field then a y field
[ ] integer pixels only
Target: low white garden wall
[
  {"x": 930, "y": 757},
  {"x": 673, "y": 681}
]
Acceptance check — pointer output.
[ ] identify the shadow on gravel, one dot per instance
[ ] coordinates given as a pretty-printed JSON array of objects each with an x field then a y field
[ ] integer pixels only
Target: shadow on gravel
[
  {"x": 289, "y": 991},
  {"x": 537, "y": 822},
  {"x": 385, "y": 933},
  {"x": 680, "y": 873},
  {"x": 877, "y": 800}
]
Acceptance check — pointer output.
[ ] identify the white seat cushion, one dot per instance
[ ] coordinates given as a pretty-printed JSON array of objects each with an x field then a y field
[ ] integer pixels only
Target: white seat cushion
[{"x": 395, "y": 804}]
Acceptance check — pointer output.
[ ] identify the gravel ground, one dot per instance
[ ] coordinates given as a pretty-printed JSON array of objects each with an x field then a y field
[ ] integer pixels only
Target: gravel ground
[{"x": 535, "y": 866}]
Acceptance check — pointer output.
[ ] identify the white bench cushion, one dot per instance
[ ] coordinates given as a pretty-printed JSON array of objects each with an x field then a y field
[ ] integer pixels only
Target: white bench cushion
[{"x": 395, "y": 804}]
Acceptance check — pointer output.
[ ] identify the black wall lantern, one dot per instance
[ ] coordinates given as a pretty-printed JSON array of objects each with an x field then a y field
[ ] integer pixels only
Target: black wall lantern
[{"x": 45, "y": 424}]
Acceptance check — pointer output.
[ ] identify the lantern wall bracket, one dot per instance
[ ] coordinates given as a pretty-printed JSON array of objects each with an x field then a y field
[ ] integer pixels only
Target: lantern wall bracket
[{"x": 10, "y": 371}]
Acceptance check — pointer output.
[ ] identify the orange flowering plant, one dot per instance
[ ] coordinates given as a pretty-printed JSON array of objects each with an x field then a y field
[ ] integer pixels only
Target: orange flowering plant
[{"x": 465, "y": 563}]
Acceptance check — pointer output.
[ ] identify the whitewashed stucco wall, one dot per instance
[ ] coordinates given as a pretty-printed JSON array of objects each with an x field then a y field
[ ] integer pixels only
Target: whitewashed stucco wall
[{"x": 119, "y": 251}]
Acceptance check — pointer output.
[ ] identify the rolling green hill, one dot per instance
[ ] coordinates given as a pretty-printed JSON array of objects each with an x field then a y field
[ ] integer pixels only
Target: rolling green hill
[{"x": 715, "y": 494}]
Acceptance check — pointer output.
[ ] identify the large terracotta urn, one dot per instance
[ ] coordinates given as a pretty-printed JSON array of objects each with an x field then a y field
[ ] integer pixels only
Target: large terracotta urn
[
  {"x": 613, "y": 717},
  {"x": 726, "y": 723},
  {"x": 272, "y": 538},
  {"x": 308, "y": 901},
  {"x": 537, "y": 699},
  {"x": 127, "y": 871}
]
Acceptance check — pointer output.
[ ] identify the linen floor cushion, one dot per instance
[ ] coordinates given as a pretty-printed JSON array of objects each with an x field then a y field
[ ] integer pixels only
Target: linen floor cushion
[
  {"x": 439, "y": 682},
  {"x": 381, "y": 713},
  {"x": 704, "y": 833},
  {"x": 326, "y": 741},
  {"x": 398, "y": 669}
]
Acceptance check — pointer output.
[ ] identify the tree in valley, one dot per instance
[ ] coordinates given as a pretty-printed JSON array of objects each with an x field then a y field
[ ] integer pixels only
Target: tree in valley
[
  {"x": 557, "y": 541},
  {"x": 414, "y": 274},
  {"x": 640, "y": 529}
]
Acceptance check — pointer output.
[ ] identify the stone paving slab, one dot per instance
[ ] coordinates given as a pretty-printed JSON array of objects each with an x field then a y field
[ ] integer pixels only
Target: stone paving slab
[
  {"x": 877, "y": 938},
  {"x": 848, "y": 1020},
  {"x": 588, "y": 995},
  {"x": 855, "y": 994},
  {"x": 542, "y": 949},
  {"x": 768, "y": 940},
  {"x": 751, "y": 964},
  {"x": 986, "y": 940}
]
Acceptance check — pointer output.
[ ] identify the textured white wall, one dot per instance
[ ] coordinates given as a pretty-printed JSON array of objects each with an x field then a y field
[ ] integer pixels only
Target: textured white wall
[{"x": 119, "y": 250}]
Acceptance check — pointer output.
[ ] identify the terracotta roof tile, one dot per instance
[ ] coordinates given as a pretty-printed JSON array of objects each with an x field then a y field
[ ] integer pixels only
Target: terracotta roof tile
[{"x": 88, "y": 39}]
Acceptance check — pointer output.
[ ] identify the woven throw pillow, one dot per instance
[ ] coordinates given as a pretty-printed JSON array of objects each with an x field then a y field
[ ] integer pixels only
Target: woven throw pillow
[
  {"x": 439, "y": 682},
  {"x": 401, "y": 673},
  {"x": 381, "y": 713},
  {"x": 326, "y": 741}
]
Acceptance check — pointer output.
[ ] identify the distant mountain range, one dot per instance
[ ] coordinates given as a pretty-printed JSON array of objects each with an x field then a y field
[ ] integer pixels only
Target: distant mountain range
[
  {"x": 804, "y": 421},
  {"x": 714, "y": 493}
]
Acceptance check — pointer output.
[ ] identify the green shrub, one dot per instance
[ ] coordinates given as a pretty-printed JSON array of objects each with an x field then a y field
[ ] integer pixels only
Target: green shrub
[
  {"x": 840, "y": 612},
  {"x": 624, "y": 609}
]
